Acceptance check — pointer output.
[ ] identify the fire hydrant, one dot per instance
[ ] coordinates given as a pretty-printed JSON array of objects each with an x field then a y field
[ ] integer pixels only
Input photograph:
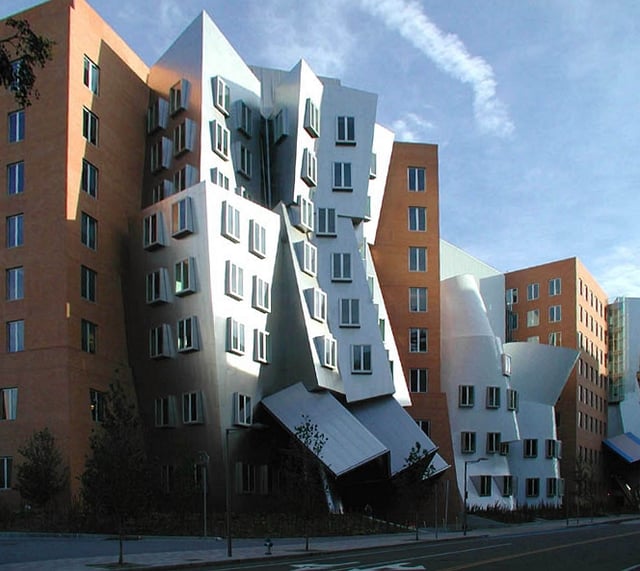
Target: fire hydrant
[{"x": 268, "y": 544}]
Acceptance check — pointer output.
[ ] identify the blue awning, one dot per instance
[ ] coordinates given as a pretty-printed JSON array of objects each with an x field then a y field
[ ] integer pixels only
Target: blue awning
[{"x": 626, "y": 445}]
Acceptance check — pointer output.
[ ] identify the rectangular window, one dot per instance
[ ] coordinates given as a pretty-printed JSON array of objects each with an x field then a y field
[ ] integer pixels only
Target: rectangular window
[
  {"x": 15, "y": 230},
  {"x": 312, "y": 118},
  {"x": 553, "y": 448},
  {"x": 88, "y": 336},
  {"x": 493, "y": 397},
  {"x": 188, "y": 334},
  {"x": 192, "y": 408},
  {"x": 417, "y": 259},
  {"x": 309, "y": 171},
  {"x": 184, "y": 274},
  {"x": 349, "y": 312},
  {"x": 512, "y": 399},
  {"x": 504, "y": 449},
  {"x": 507, "y": 486},
  {"x": 485, "y": 486},
  {"x": 160, "y": 341},
  {"x": 530, "y": 448},
  {"x": 416, "y": 177},
  {"x": 178, "y": 96},
  {"x": 468, "y": 442},
  {"x": 309, "y": 259},
  {"x": 346, "y": 131},
  {"x": 242, "y": 410},
  {"x": 165, "y": 411},
  {"x": 219, "y": 178},
  {"x": 532, "y": 487},
  {"x": 533, "y": 291},
  {"x": 555, "y": 286},
  {"x": 181, "y": 218},
  {"x": 329, "y": 348},
  {"x": 552, "y": 485},
  {"x": 341, "y": 267},
  {"x": 326, "y": 222},
  {"x": 418, "y": 340},
  {"x": 425, "y": 426},
  {"x": 222, "y": 95},
  {"x": 317, "y": 304},
  {"x": 15, "y": 336},
  {"x": 417, "y": 219},
  {"x": 230, "y": 222},
  {"x": 97, "y": 402},
  {"x": 466, "y": 395},
  {"x": 533, "y": 318},
  {"x": 91, "y": 75},
  {"x": 153, "y": 231},
  {"x": 305, "y": 214},
  {"x": 505, "y": 360},
  {"x": 342, "y": 176},
  {"x": 15, "y": 178},
  {"x": 157, "y": 115},
  {"x": 16, "y": 126},
  {"x": 419, "y": 380},
  {"x": 261, "y": 294},
  {"x": 373, "y": 166},
  {"x": 90, "y": 126},
  {"x": 235, "y": 336},
  {"x": 493, "y": 442},
  {"x": 261, "y": 346},
  {"x": 183, "y": 137},
  {"x": 15, "y": 283},
  {"x": 234, "y": 283},
  {"x": 512, "y": 295},
  {"x": 555, "y": 338},
  {"x": 245, "y": 161},
  {"x": 280, "y": 125},
  {"x": 418, "y": 299},
  {"x": 361, "y": 358},
  {"x": 6, "y": 464},
  {"x": 88, "y": 283},
  {"x": 220, "y": 136},
  {"x": 555, "y": 313},
  {"x": 89, "y": 231},
  {"x": 8, "y": 403},
  {"x": 89, "y": 179},
  {"x": 257, "y": 239},
  {"x": 245, "y": 478},
  {"x": 244, "y": 118},
  {"x": 160, "y": 154}
]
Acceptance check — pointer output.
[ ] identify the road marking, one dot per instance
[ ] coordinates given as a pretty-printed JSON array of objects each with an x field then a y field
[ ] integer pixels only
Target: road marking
[
  {"x": 320, "y": 566},
  {"x": 395, "y": 566}
]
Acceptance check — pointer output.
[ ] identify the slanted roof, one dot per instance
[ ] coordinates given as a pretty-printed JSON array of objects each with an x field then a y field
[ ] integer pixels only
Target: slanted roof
[{"x": 626, "y": 445}]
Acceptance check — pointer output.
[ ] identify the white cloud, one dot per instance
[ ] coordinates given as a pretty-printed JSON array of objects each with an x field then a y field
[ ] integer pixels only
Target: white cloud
[
  {"x": 450, "y": 55},
  {"x": 411, "y": 127},
  {"x": 620, "y": 273}
]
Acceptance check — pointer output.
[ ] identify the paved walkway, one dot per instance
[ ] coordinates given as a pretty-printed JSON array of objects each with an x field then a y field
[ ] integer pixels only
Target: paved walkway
[{"x": 290, "y": 547}]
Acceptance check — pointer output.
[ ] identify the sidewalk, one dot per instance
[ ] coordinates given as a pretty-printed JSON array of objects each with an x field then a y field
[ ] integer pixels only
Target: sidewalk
[{"x": 284, "y": 548}]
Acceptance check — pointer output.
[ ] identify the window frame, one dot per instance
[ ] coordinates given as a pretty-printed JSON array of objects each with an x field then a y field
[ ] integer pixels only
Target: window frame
[
  {"x": 222, "y": 96},
  {"x": 88, "y": 283},
  {"x": 311, "y": 118},
  {"x": 493, "y": 397},
  {"x": 349, "y": 312},
  {"x": 309, "y": 173},
  {"x": 15, "y": 331},
  {"x": 89, "y": 231},
  {"x": 341, "y": 267},
  {"x": 15, "y": 178},
  {"x": 235, "y": 336},
  {"x": 242, "y": 409},
  {"x": 97, "y": 404},
  {"x": 361, "y": 359},
  {"x": 261, "y": 346},
  {"x": 555, "y": 286},
  {"x": 187, "y": 339},
  {"x": 416, "y": 179},
  {"x": 467, "y": 442},
  {"x": 186, "y": 277},
  {"x": 88, "y": 336},
  {"x": 15, "y": 230},
  {"x": 160, "y": 342},
  {"x": 16, "y": 126},
  {"x": 342, "y": 176},
  {"x": 91, "y": 75},
  {"x": 257, "y": 239},
  {"x": 14, "y": 283},
  {"x": 533, "y": 318},
  {"x": 530, "y": 448},
  {"x": 417, "y": 218},
  {"x": 234, "y": 280},
  {"x": 417, "y": 259},
  {"x": 533, "y": 291},
  {"x": 418, "y": 299},
  {"x": 466, "y": 396},
  {"x": 419, "y": 380},
  {"x": 493, "y": 442},
  {"x": 90, "y": 126},
  {"x": 230, "y": 222},
  {"x": 418, "y": 340},
  {"x": 90, "y": 179},
  {"x": 221, "y": 139},
  {"x": 345, "y": 130},
  {"x": 532, "y": 487},
  {"x": 326, "y": 225},
  {"x": 261, "y": 296},
  {"x": 192, "y": 408},
  {"x": 153, "y": 231},
  {"x": 182, "y": 217},
  {"x": 555, "y": 313}
]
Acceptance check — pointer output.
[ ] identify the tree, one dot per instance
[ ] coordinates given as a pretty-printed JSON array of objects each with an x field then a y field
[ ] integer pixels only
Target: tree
[
  {"x": 115, "y": 480},
  {"x": 20, "y": 53},
  {"x": 42, "y": 475}
]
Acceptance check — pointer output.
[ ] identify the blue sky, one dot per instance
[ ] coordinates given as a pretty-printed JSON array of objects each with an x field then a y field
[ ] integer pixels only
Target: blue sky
[{"x": 534, "y": 105}]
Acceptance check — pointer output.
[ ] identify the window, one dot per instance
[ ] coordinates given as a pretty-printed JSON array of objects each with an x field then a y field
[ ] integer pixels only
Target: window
[
  {"x": 245, "y": 161},
  {"x": 178, "y": 96},
  {"x": 532, "y": 487},
  {"x": 505, "y": 359},
  {"x": 326, "y": 222},
  {"x": 157, "y": 115},
  {"x": 257, "y": 239},
  {"x": 329, "y": 352},
  {"x": 261, "y": 294},
  {"x": 160, "y": 155},
  {"x": 418, "y": 299},
  {"x": 341, "y": 267},
  {"x": 8, "y": 403},
  {"x": 220, "y": 135},
  {"x": 88, "y": 335},
  {"x": 416, "y": 177},
  {"x": 512, "y": 399},
  {"x": 419, "y": 380},
  {"x": 553, "y": 448},
  {"x": 192, "y": 408},
  {"x": 417, "y": 259},
  {"x": 242, "y": 410},
  {"x": 552, "y": 485},
  {"x": 342, "y": 176},
  {"x": 221, "y": 95},
  {"x": 160, "y": 341},
  {"x": 6, "y": 463},
  {"x": 533, "y": 318},
  {"x": 533, "y": 291},
  {"x": 317, "y": 304},
  {"x": 305, "y": 214},
  {"x": 309, "y": 172},
  {"x": 493, "y": 442},
  {"x": 15, "y": 283},
  {"x": 161, "y": 190},
  {"x": 15, "y": 230},
  {"x": 417, "y": 218},
  {"x": 468, "y": 442},
  {"x": 15, "y": 178},
  {"x": 309, "y": 258},
  {"x": 245, "y": 478},
  {"x": 346, "y": 132},
  {"x": 466, "y": 395},
  {"x": 349, "y": 312},
  {"x": 181, "y": 218},
  {"x": 418, "y": 340},
  {"x": 16, "y": 126},
  {"x": 512, "y": 295},
  {"x": 185, "y": 177},
  {"x": 183, "y": 137},
  {"x": 504, "y": 449},
  {"x": 555, "y": 313},
  {"x": 361, "y": 358},
  {"x": 425, "y": 426},
  {"x": 312, "y": 118},
  {"x": 89, "y": 126},
  {"x": 153, "y": 231},
  {"x": 235, "y": 336},
  {"x": 88, "y": 283},
  {"x": 89, "y": 231},
  {"x": 530, "y": 448},
  {"x": 493, "y": 397},
  {"x": 555, "y": 338},
  {"x": 219, "y": 178},
  {"x": 555, "y": 286},
  {"x": 485, "y": 486},
  {"x": 261, "y": 346},
  {"x": 373, "y": 166},
  {"x": 15, "y": 336},
  {"x": 184, "y": 273},
  {"x": 507, "y": 486},
  {"x": 244, "y": 118},
  {"x": 165, "y": 411},
  {"x": 188, "y": 334},
  {"x": 230, "y": 222},
  {"x": 89, "y": 179},
  {"x": 280, "y": 125},
  {"x": 234, "y": 284},
  {"x": 97, "y": 403},
  {"x": 512, "y": 320},
  {"x": 533, "y": 339},
  {"x": 91, "y": 75}
]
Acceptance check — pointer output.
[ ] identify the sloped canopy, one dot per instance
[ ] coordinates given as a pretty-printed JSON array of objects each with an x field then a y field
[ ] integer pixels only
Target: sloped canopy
[{"x": 626, "y": 445}]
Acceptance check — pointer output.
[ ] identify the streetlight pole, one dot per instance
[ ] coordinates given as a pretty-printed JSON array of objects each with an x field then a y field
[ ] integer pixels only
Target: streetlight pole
[
  {"x": 203, "y": 462},
  {"x": 466, "y": 493}
]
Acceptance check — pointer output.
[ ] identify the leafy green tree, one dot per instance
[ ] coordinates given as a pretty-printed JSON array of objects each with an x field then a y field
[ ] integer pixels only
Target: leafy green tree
[
  {"x": 116, "y": 476},
  {"x": 41, "y": 476},
  {"x": 21, "y": 51}
]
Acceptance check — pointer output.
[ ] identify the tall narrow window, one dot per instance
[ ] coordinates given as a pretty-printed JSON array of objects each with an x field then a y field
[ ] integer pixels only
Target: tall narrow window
[
  {"x": 220, "y": 135},
  {"x": 493, "y": 397},
  {"x": 90, "y": 126},
  {"x": 97, "y": 402},
  {"x": 222, "y": 97},
  {"x": 15, "y": 283},
  {"x": 242, "y": 409},
  {"x": 157, "y": 286},
  {"x": 88, "y": 281},
  {"x": 418, "y": 340},
  {"x": 416, "y": 179},
  {"x": 178, "y": 96},
  {"x": 555, "y": 286},
  {"x": 417, "y": 218},
  {"x": 184, "y": 274},
  {"x": 8, "y": 403},
  {"x": 89, "y": 179},
  {"x": 329, "y": 352},
  {"x": 89, "y": 333},
  {"x": 342, "y": 176},
  {"x": 261, "y": 294},
  {"x": 257, "y": 239},
  {"x": 468, "y": 442},
  {"x": 16, "y": 126},
  {"x": 15, "y": 336},
  {"x": 188, "y": 334},
  {"x": 350, "y": 312},
  {"x": 312, "y": 118},
  {"x": 346, "y": 132},
  {"x": 419, "y": 380},
  {"x": 555, "y": 313},
  {"x": 245, "y": 161},
  {"x": 181, "y": 218},
  {"x": 6, "y": 465},
  {"x": 493, "y": 442},
  {"x": 533, "y": 318},
  {"x": 230, "y": 222},
  {"x": 234, "y": 283},
  {"x": 341, "y": 267},
  {"x": 533, "y": 291},
  {"x": 261, "y": 346},
  {"x": 361, "y": 358},
  {"x": 235, "y": 336},
  {"x": 89, "y": 231},
  {"x": 417, "y": 299},
  {"x": 244, "y": 118},
  {"x": 15, "y": 230},
  {"x": 160, "y": 341},
  {"x": 466, "y": 396},
  {"x": 15, "y": 178},
  {"x": 153, "y": 231},
  {"x": 91, "y": 75},
  {"x": 192, "y": 408},
  {"x": 417, "y": 259},
  {"x": 326, "y": 222}
]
